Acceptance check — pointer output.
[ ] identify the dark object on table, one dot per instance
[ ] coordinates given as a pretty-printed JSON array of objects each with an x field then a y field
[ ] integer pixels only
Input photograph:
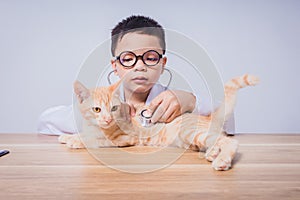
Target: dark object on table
[{"x": 3, "y": 152}]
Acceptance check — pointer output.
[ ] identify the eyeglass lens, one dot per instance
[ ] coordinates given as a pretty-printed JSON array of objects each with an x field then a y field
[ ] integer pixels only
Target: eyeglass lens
[{"x": 149, "y": 58}]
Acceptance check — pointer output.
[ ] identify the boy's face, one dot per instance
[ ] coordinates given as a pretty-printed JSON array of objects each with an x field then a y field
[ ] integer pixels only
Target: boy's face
[{"x": 139, "y": 78}]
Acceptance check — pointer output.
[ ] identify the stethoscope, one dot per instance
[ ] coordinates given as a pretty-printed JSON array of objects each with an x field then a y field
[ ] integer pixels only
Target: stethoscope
[{"x": 145, "y": 116}]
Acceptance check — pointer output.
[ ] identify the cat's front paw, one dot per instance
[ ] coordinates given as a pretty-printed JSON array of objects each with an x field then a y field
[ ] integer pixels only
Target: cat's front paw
[
  {"x": 222, "y": 163},
  {"x": 72, "y": 141},
  {"x": 63, "y": 139},
  {"x": 75, "y": 143}
]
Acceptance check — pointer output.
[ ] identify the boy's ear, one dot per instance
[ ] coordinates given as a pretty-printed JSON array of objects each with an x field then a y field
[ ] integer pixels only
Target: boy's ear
[
  {"x": 81, "y": 92},
  {"x": 165, "y": 60},
  {"x": 164, "y": 63},
  {"x": 114, "y": 66}
]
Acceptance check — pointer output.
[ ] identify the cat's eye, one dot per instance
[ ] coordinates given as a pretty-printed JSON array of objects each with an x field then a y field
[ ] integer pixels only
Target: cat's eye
[
  {"x": 114, "y": 108},
  {"x": 96, "y": 109}
]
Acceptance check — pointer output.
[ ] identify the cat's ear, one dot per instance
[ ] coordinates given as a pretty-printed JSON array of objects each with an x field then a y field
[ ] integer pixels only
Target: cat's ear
[{"x": 81, "y": 92}]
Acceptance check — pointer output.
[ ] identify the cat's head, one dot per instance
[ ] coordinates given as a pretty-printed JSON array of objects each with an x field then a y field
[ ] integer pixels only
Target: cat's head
[{"x": 95, "y": 104}]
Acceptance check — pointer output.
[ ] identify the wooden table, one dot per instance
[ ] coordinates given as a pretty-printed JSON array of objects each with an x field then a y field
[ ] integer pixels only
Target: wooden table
[{"x": 267, "y": 167}]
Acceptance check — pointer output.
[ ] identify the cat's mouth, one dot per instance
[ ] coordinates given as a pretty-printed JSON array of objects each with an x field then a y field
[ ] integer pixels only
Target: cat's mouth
[
  {"x": 106, "y": 124},
  {"x": 140, "y": 79}
]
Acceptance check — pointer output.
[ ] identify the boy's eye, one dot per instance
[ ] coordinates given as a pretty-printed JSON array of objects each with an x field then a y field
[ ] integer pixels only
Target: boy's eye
[
  {"x": 96, "y": 109},
  {"x": 152, "y": 59},
  {"x": 126, "y": 60}
]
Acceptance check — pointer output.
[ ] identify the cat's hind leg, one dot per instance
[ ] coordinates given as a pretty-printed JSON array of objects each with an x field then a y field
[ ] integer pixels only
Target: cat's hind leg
[
  {"x": 228, "y": 148},
  {"x": 212, "y": 153}
]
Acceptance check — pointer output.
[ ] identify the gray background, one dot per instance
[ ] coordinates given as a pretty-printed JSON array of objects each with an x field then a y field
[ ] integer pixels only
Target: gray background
[{"x": 43, "y": 44}]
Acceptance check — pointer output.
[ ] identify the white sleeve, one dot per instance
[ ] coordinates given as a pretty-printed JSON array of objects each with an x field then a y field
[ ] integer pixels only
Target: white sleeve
[
  {"x": 57, "y": 120},
  {"x": 204, "y": 107}
]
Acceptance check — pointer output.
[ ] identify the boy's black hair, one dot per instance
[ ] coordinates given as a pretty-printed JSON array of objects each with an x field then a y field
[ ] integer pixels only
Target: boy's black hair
[{"x": 140, "y": 24}]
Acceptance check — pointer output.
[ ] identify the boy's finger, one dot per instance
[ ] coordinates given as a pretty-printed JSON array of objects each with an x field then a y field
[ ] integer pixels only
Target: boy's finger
[
  {"x": 173, "y": 116},
  {"x": 165, "y": 118},
  {"x": 159, "y": 112},
  {"x": 155, "y": 103}
]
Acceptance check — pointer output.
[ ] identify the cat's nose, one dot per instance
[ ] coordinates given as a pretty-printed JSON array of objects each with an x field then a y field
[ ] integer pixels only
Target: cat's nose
[{"x": 108, "y": 120}]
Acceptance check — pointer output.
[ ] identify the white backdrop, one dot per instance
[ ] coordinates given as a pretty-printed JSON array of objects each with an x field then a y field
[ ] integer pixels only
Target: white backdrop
[{"x": 43, "y": 43}]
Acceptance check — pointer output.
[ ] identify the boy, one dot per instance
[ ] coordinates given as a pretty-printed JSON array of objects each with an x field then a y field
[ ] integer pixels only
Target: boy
[{"x": 138, "y": 45}]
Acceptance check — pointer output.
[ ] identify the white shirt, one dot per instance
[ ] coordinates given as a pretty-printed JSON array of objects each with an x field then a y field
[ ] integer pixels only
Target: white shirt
[{"x": 60, "y": 119}]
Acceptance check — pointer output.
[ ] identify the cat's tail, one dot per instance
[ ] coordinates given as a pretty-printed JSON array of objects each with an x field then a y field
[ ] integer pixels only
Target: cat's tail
[
  {"x": 230, "y": 91},
  {"x": 241, "y": 82}
]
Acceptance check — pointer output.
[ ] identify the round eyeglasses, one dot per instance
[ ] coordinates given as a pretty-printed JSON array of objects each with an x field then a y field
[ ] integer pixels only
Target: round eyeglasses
[{"x": 128, "y": 59}]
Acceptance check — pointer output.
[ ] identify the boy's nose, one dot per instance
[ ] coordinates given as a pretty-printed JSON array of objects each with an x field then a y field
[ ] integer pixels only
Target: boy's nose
[{"x": 139, "y": 65}]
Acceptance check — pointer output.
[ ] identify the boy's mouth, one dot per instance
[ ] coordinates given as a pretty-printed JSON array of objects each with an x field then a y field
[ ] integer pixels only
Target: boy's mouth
[{"x": 139, "y": 79}]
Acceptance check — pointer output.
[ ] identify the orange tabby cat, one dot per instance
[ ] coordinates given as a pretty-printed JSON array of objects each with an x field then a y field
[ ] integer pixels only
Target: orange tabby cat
[{"x": 102, "y": 109}]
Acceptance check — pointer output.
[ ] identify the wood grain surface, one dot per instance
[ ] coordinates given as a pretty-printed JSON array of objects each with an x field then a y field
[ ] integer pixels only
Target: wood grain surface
[{"x": 38, "y": 167}]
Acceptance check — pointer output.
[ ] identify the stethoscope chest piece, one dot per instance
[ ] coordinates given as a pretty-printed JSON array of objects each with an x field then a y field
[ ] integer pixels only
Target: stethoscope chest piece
[{"x": 145, "y": 118}]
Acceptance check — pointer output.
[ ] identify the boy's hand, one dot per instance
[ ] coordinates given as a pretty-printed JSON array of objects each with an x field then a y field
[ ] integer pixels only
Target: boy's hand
[{"x": 170, "y": 104}]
